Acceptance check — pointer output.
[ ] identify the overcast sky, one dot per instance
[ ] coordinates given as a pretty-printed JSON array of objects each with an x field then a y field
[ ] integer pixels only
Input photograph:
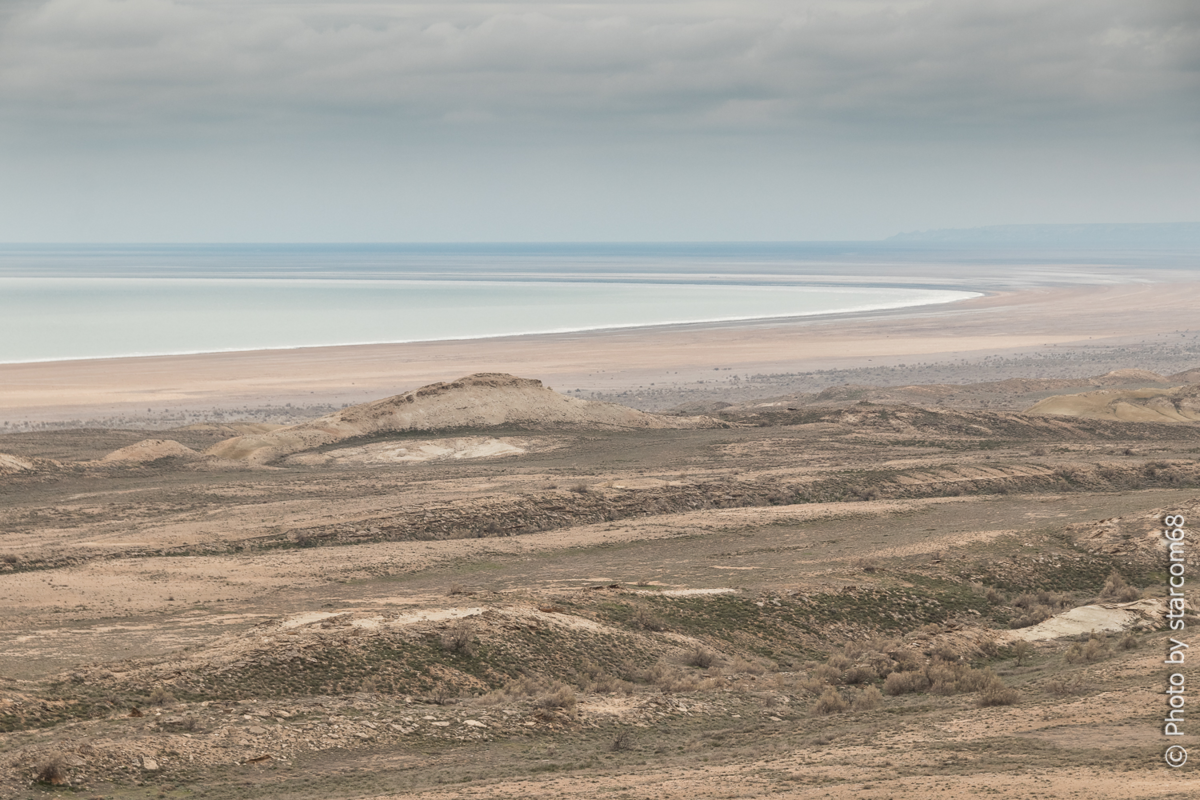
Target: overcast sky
[{"x": 274, "y": 120}]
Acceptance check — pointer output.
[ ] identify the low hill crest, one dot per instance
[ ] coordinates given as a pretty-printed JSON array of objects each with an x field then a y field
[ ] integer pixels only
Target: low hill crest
[{"x": 479, "y": 401}]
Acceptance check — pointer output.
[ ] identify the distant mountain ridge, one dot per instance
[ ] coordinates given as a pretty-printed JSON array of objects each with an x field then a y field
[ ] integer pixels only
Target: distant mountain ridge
[{"x": 1140, "y": 234}]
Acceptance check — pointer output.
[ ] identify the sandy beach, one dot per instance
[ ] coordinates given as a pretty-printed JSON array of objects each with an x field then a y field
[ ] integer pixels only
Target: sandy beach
[{"x": 1025, "y": 320}]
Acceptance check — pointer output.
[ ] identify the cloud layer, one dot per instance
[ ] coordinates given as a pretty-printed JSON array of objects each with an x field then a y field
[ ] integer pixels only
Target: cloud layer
[
  {"x": 695, "y": 66},
  {"x": 625, "y": 97}
]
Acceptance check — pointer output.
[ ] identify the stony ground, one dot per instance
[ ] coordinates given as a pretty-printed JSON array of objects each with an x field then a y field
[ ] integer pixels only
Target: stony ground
[{"x": 815, "y": 602}]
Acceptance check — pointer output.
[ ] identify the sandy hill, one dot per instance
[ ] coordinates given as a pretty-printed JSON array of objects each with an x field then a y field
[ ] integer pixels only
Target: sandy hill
[
  {"x": 1187, "y": 376},
  {"x": 1180, "y": 404},
  {"x": 149, "y": 450},
  {"x": 480, "y": 401}
]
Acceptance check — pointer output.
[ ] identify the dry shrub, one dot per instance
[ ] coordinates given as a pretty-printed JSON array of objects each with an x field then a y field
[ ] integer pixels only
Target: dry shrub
[
  {"x": 905, "y": 683},
  {"x": 907, "y": 659},
  {"x": 10, "y": 558},
  {"x": 524, "y": 686},
  {"x": 878, "y": 655},
  {"x": 459, "y": 638},
  {"x": 839, "y": 662},
  {"x": 701, "y": 657},
  {"x": 1115, "y": 588},
  {"x": 581, "y": 488},
  {"x": 868, "y": 699},
  {"x": 1025, "y": 600},
  {"x": 1037, "y": 613},
  {"x": 830, "y": 702},
  {"x": 160, "y": 696},
  {"x": 1128, "y": 642},
  {"x": 593, "y": 678},
  {"x": 671, "y": 680},
  {"x": 740, "y": 666},
  {"x": 442, "y": 695},
  {"x": 944, "y": 652},
  {"x": 1022, "y": 650},
  {"x": 181, "y": 724},
  {"x": 828, "y": 674},
  {"x": 624, "y": 740},
  {"x": 609, "y": 684},
  {"x": 993, "y": 596},
  {"x": 644, "y": 619},
  {"x": 996, "y": 693},
  {"x": 53, "y": 770},
  {"x": 560, "y": 697},
  {"x": 859, "y": 674},
  {"x": 813, "y": 686},
  {"x": 947, "y": 679},
  {"x": 1092, "y": 650}
]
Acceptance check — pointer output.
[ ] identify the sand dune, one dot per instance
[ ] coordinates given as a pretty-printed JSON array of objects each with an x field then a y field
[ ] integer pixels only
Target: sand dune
[{"x": 483, "y": 400}]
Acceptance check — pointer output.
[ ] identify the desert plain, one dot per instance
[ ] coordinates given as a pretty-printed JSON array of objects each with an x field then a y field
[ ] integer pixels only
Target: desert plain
[{"x": 912, "y": 554}]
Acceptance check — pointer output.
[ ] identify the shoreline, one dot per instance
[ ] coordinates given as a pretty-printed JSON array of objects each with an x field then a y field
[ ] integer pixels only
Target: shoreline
[
  {"x": 699, "y": 324},
  {"x": 1002, "y": 321}
]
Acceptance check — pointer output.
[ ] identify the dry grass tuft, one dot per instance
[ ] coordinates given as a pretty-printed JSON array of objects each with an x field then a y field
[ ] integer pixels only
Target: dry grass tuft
[{"x": 1063, "y": 687}]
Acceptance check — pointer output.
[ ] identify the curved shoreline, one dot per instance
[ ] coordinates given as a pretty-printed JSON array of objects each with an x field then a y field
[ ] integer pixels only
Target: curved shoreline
[
  {"x": 854, "y": 311},
  {"x": 1003, "y": 321}
]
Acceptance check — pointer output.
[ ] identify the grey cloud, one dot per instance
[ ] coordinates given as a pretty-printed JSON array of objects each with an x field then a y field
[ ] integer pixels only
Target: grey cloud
[{"x": 764, "y": 66}]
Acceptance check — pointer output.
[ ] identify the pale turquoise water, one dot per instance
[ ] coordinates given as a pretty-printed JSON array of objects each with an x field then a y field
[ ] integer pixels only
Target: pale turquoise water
[
  {"x": 95, "y": 301},
  {"x": 62, "y": 318}
]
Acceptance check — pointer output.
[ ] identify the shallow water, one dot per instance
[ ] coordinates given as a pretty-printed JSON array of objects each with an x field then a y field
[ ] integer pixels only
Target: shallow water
[{"x": 70, "y": 303}]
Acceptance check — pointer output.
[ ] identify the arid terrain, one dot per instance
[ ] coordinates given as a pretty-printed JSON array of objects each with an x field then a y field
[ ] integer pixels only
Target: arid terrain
[{"x": 485, "y": 589}]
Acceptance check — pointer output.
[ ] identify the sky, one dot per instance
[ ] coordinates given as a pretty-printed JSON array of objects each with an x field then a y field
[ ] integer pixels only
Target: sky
[{"x": 448, "y": 121}]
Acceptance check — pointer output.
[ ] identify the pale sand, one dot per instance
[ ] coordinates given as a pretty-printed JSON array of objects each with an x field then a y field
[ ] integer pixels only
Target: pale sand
[{"x": 601, "y": 360}]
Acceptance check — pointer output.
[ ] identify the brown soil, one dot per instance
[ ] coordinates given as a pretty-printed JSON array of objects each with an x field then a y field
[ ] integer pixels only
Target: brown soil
[{"x": 810, "y": 601}]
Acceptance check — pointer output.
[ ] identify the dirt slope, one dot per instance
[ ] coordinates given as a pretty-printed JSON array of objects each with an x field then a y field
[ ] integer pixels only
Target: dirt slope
[
  {"x": 150, "y": 450},
  {"x": 1011, "y": 393},
  {"x": 10, "y": 464},
  {"x": 483, "y": 400},
  {"x": 1180, "y": 404}
]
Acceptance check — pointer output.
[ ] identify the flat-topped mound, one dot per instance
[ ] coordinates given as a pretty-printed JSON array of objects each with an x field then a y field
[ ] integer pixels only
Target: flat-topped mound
[{"x": 480, "y": 401}]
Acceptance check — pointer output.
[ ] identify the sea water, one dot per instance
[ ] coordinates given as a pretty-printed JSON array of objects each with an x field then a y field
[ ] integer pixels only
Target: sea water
[{"x": 106, "y": 301}]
